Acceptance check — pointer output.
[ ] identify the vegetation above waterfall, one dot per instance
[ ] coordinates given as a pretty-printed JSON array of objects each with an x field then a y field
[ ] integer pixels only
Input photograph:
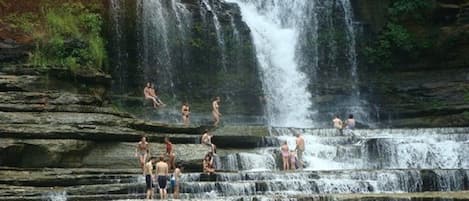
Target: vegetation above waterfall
[
  {"x": 397, "y": 41},
  {"x": 64, "y": 33}
]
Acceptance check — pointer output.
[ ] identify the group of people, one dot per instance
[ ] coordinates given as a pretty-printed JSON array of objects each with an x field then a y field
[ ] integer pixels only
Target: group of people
[
  {"x": 208, "y": 164},
  {"x": 157, "y": 172},
  {"x": 293, "y": 159},
  {"x": 340, "y": 125},
  {"x": 149, "y": 93}
]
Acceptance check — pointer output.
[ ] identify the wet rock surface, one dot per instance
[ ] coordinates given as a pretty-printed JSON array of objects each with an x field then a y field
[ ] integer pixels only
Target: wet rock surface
[{"x": 57, "y": 136}]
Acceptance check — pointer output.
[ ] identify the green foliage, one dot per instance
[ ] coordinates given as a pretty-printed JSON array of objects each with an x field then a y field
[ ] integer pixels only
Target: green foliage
[
  {"x": 66, "y": 34},
  {"x": 405, "y": 9},
  {"x": 466, "y": 96},
  {"x": 396, "y": 42}
]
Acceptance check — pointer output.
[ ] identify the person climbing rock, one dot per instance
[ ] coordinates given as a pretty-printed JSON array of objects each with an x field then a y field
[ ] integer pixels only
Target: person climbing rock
[{"x": 142, "y": 151}]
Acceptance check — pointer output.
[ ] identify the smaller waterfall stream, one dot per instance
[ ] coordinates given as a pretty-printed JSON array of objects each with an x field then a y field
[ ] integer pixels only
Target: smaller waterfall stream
[{"x": 218, "y": 31}]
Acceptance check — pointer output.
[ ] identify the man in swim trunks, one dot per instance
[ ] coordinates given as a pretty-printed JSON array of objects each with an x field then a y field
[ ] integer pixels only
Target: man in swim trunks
[
  {"x": 148, "y": 171},
  {"x": 300, "y": 149},
  {"x": 162, "y": 173},
  {"x": 147, "y": 92},
  {"x": 154, "y": 95},
  {"x": 338, "y": 124}
]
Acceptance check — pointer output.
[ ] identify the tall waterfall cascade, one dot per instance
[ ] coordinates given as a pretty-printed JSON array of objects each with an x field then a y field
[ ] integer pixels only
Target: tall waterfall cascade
[
  {"x": 275, "y": 33},
  {"x": 295, "y": 40}
]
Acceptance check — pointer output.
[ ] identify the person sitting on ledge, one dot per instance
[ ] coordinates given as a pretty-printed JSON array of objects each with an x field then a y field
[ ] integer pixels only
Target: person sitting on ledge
[
  {"x": 147, "y": 92},
  {"x": 155, "y": 96},
  {"x": 207, "y": 140},
  {"x": 208, "y": 165}
]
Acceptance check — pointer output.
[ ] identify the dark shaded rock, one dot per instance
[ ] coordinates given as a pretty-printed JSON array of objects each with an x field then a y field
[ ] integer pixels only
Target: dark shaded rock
[
  {"x": 79, "y": 153},
  {"x": 165, "y": 128},
  {"x": 208, "y": 177}
]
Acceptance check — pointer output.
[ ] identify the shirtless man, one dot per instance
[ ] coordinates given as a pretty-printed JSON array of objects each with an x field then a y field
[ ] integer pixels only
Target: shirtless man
[
  {"x": 207, "y": 140},
  {"x": 147, "y": 91},
  {"x": 154, "y": 95},
  {"x": 162, "y": 173},
  {"x": 338, "y": 124},
  {"x": 149, "y": 177},
  {"x": 216, "y": 111},
  {"x": 170, "y": 153},
  {"x": 185, "y": 111},
  {"x": 300, "y": 149},
  {"x": 142, "y": 151}
]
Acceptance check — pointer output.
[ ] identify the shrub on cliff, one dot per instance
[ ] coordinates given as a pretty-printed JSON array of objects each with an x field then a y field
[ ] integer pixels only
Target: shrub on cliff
[
  {"x": 397, "y": 42},
  {"x": 65, "y": 33}
]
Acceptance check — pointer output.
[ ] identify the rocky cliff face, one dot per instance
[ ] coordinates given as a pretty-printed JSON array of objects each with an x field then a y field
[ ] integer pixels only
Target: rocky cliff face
[
  {"x": 59, "y": 133},
  {"x": 192, "y": 50},
  {"x": 431, "y": 90}
]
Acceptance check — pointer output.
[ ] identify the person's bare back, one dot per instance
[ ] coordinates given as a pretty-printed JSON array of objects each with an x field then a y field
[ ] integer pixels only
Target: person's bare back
[
  {"x": 162, "y": 168},
  {"x": 300, "y": 143}
]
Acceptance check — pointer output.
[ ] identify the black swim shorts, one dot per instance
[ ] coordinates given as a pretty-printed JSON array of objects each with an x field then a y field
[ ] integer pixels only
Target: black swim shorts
[
  {"x": 162, "y": 181},
  {"x": 148, "y": 182}
]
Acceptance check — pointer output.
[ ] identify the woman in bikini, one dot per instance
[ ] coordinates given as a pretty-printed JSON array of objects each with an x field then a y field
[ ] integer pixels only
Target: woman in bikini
[
  {"x": 185, "y": 110},
  {"x": 285, "y": 155},
  {"x": 216, "y": 111},
  {"x": 142, "y": 151}
]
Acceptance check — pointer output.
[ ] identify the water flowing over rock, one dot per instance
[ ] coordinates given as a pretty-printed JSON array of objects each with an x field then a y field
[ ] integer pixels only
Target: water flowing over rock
[{"x": 192, "y": 50}]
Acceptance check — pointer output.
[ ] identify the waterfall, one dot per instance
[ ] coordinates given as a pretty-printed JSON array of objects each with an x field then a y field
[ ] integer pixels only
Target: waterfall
[
  {"x": 304, "y": 47},
  {"x": 160, "y": 44},
  {"x": 218, "y": 31},
  {"x": 116, "y": 14},
  {"x": 275, "y": 30},
  {"x": 56, "y": 196}
]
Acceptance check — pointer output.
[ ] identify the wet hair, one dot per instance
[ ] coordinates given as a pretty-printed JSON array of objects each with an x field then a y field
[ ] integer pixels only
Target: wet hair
[
  {"x": 161, "y": 158},
  {"x": 166, "y": 138},
  {"x": 350, "y": 116},
  {"x": 152, "y": 158},
  {"x": 143, "y": 136}
]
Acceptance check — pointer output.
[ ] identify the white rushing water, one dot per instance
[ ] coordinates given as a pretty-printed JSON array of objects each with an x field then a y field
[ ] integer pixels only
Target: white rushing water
[
  {"x": 275, "y": 29},
  {"x": 383, "y": 149},
  {"x": 163, "y": 24},
  {"x": 218, "y": 30}
]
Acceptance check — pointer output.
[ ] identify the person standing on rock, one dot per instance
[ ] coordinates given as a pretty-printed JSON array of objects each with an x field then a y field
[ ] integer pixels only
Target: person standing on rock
[
  {"x": 186, "y": 111},
  {"x": 177, "y": 179},
  {"x": 284, "y": 151},
  {"x": 162, "y": 173},
  {"x": 149, "y": 177},
  {"x": 216, "y": 111},
  {"x": 147, "y": 92},
  {"x": 142, "y": 151},
  {"x": 350, "y": 124},
  {"x": 300, "y": 149},
  {"x": 338, "y": 124},
  {"x": 170, "y": 153}
]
